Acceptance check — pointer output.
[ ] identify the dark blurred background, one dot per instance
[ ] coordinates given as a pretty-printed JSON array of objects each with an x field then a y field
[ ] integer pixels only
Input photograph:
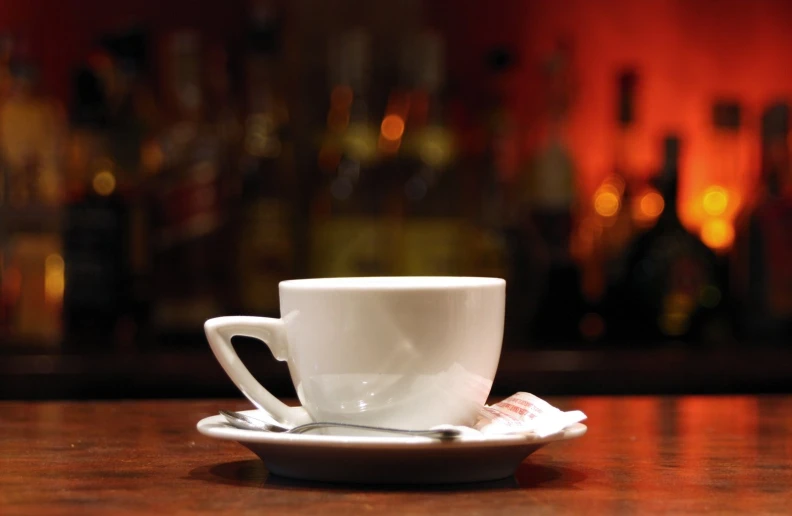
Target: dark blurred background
[{"x": 624, "y": 165}]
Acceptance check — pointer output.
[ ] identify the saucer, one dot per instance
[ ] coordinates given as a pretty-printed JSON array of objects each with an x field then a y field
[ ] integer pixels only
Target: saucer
[{"x": 386, "y": 459}]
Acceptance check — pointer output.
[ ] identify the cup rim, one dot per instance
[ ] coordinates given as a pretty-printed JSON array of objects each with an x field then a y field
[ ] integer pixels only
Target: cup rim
[{"x": 381, "y": 283}]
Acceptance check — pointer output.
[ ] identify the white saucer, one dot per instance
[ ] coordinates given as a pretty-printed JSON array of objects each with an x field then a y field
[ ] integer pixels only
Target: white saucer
[{"x": 386, "y": 460}]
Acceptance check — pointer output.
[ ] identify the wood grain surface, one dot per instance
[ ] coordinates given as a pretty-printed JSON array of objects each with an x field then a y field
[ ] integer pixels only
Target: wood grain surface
[{"x": 642, "y": 455}]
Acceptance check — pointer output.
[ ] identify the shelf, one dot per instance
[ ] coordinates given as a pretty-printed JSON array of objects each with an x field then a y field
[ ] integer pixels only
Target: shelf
[{"x": 195, "y": 373}]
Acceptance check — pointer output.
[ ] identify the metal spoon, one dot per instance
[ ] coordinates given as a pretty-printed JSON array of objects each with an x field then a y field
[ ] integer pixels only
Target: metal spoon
[{"x": 245, "y": 422}]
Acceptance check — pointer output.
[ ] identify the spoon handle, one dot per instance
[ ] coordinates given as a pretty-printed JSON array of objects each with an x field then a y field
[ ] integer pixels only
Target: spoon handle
[
  {"x": 439, "y": 433},
  {"x": 245, "y": 422}
]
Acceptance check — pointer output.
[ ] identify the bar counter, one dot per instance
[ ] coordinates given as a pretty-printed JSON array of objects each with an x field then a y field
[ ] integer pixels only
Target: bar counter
[{"x": 643, "y": 455}]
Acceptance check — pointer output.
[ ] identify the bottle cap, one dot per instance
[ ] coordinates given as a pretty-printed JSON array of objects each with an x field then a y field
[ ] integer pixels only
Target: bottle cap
[{"x": 726, "y": 114}]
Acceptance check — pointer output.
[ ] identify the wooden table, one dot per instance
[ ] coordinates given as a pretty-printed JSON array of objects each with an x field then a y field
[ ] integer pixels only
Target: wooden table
[{"x": 643, "y": 455}]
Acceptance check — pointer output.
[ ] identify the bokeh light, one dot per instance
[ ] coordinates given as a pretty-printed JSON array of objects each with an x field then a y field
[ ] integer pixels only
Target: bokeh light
[
  {"x": 717, "y": 234},
  {"x": 54, "y": 278},
  {"x": 392, "y": 127},
  {"x": 652, "y": 204},
  {"x": 715, "y": 201},
  {"x": 606, "y": 203},
  {"x": 104, "y": 183}
]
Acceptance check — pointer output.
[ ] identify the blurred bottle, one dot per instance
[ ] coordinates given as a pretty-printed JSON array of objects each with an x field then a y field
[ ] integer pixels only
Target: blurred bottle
[
  {"x": 489, "y": 200},
  {"x": 99, "y": 166},
  {"x": 551, "y": 202},
  {"x": 32, "y": 275},
  {"x": 350, "y": 236},
  {"x": 670, "y": 290},
  {"x": 611, "y": 221},
  {"x": 613, "y": 200},
  {"x": 487, "y": 172},
  {"x": 397, "y": 146},
  {"x": 433, "y": 234},
  {"x": 190, "y": 272},
  {"x": 32, "y": 289},
  {"x": 8, "y": 286},
  {"x": 32, "y": 131},
  {"x": 6, "y": 86},
  {"x": 266, "y": 243},
  {"x": 134, "y": 118},
  {"x": 762, "y": 255},
  {"x": 136, "y": 122},
  {"x": 95, "y": 238},
  {"x": 722, "y": 198}
]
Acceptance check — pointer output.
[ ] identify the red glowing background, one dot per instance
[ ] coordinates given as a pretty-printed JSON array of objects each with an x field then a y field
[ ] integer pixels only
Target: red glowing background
[{"x": 687, "y": 53}]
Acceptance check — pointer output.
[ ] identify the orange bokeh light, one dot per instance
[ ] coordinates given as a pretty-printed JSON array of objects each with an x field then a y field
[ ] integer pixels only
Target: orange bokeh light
[
  {"x": 606, "y": 203},
  {"x": 392, "y": 127},
  {"x": 651, "y": 205},
  {"x": 717, "y": 234},
  {"x": 54, "y": 279},
  {"x": 715, "y": 201},
  {"x": 104, "y": 183}
]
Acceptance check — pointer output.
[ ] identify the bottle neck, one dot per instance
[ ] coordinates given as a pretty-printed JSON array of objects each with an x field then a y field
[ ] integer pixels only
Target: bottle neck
[
  {"x": 623, "y": 159},
  {"x": 775, "y": 166},
  {"x": 670, "y": 192}
]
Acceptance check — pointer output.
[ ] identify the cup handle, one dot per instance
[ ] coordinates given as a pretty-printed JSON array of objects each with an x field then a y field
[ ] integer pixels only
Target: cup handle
[{"x": 273, "y": 333}]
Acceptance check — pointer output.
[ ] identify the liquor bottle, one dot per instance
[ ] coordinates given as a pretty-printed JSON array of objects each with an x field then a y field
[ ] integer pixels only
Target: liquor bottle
[
  {"x": 32, "y": 129},
  {"x": 266, "y": 243},
  {"x": 550, "y": 206},
  {"x": 133, "y": 117},
  {"x": 8, "y": 278},
  {"x": 31, "y": 282},
  {"x": 349, "y": 234},
  {"x": 32, "y": 289},
  {"x": 95, "y": 238},
  {"x": 189, "y": 268},
  {"x": 727, "y": 124},
  {"x": 721, "y": 199},
  {"x": 609, "y": 223},
  {"x": 488, "y": 249},
  {"x": 6, "y": 86},
  {"x": 487, "y": 172},
  {"x": 433, "y": 235},
  {"x": 616, "y": 216},
  {"x": 95, "y": 222},
  {"x": 106, "y": 233},
  {"x": 762, "y": 252},
  {"x": 670, "y": 290},
  {"x": 9, "y": 284}
]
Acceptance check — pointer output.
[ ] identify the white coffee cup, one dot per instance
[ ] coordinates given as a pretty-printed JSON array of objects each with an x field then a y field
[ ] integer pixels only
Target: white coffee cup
[{"x": 402, "y": 352}]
